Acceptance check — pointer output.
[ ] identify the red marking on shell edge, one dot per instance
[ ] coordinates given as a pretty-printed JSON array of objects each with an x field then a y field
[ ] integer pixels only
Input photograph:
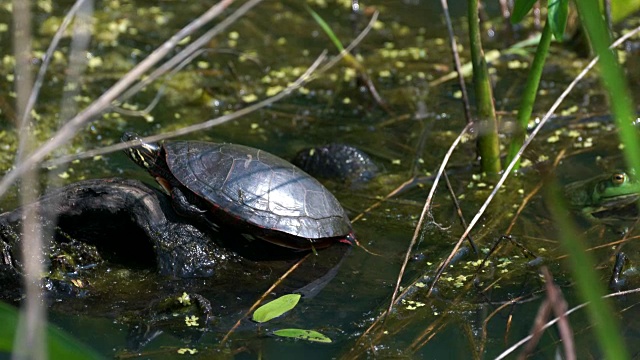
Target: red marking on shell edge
[
  {"x": 350, "y": 239},
  {"x": 276, "y": 237}
]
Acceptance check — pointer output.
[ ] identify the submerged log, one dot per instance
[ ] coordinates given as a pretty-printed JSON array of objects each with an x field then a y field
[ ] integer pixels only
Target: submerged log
[{"x": 127, "y": 221}]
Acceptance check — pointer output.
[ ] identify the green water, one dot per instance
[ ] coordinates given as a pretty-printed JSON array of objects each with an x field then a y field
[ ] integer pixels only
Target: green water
[{"x": 261, "y": 53}]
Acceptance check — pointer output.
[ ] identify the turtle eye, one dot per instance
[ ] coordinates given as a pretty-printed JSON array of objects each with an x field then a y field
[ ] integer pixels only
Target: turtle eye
[{"x": 618, "y": 178}]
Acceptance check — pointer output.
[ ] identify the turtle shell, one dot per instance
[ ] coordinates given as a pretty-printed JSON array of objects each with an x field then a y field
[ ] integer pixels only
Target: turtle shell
[{"x": 258, "y": 188}]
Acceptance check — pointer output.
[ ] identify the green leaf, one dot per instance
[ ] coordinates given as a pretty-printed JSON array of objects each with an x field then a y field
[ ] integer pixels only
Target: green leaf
[
  {"x": 60, "y": 345},
  {"x": 276, "y": 308},
  {"x": 326, "y": 28},
  {"x": 520, "y": 9},
  {"x": 309, "y": 335},
  {"x": 558, "y": 13}
]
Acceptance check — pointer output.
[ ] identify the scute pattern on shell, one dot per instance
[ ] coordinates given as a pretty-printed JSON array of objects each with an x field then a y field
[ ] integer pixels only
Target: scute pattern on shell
[{"x": 258, "y": 187}]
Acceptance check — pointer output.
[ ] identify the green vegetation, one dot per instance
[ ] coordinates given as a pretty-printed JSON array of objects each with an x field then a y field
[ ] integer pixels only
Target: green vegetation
[
  {"x": 279, "y": 307},
  {"x": 60, "y": 345},
  {"x": 275, "y": 308},
  {"x": 555, "y": 25},
  {"x": 309, "y": 335},
  {"x": 488, "y": 143}
]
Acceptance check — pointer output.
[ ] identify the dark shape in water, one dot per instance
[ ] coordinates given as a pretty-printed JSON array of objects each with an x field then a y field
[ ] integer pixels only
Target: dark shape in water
[{"x": 340, "y": 162}]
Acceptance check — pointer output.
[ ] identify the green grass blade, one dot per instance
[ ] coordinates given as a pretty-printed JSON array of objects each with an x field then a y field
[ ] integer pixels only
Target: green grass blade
[
  {"x": 613, "y": 80},
  {"x": 623, "y": 112},
  {"x": 325, "y": 27}
]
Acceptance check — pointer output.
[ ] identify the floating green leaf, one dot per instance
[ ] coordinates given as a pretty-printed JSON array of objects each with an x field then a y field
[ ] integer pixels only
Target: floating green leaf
[
  {"x": 276, "y": 308},
  {"x": 309, "y": 335},
  {"x": 521, "y": 9},
  {"x": 60, "y": 345}
]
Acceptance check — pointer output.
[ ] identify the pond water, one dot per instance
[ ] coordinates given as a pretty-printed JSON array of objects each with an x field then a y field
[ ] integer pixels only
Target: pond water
[{"x": 472, "y": 314}]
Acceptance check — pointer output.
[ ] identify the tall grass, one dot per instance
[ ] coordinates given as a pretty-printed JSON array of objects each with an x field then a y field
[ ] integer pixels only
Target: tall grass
[
  {"x": 581, "y": 264},
  {"x": 614, "y": 82}
]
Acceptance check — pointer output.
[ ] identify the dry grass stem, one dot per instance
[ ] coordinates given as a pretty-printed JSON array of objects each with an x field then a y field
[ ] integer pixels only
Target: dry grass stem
[
  {"x": 425, "y": 211},
  {"x": 69, "y": 130}
]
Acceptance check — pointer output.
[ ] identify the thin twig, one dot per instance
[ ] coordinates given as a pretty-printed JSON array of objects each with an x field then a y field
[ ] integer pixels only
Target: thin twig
[
  {"x": 308, "y": 76},
  {"x": 425, "y": 210},
  {"x": 351, "y": 46},
  {"x": 69, "y": 130},
  {"x": 192, "y": 49},
  {"x": 159, "y": 93},
  {"x": 391, "y": 194},
  {"x": 459, "y": 211},
  {"x": 189, "y": 51},
  {"x": 532, "y": 193},
  {"x": 416, "y": 232},
  {"x": 536, "y": 332},
  {"x": 559, "y": 306},
  {"x": 48, "y": 56},
  {"x": 554, "y": 302},
  {"x": 526, "y": 339},
  {"x": 456, "y": 59},
  {"x": 197, "y": 127},
  {"x": 497, "y": 310}
]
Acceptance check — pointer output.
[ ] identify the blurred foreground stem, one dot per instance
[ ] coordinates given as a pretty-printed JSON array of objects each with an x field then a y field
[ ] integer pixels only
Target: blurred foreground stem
[{"x": 589, "y": 284}]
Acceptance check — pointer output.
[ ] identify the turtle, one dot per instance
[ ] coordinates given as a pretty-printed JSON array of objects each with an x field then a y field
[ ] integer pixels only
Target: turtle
[{"x": 261, "y": 194}]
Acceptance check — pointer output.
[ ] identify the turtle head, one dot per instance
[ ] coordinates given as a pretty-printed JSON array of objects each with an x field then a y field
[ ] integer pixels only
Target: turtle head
[{"x": 144, "y": 154}]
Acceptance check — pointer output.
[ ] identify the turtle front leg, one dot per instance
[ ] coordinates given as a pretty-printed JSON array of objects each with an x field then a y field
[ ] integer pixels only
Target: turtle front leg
[
  {"x": 186, "y": 208},
  {"x": 183, "y": 206}
]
